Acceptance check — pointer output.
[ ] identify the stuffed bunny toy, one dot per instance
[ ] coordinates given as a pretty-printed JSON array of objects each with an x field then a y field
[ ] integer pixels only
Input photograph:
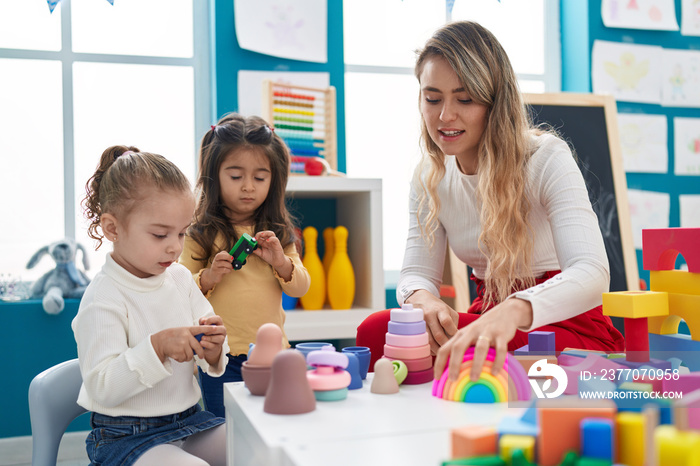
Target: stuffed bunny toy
[{"x": 65, "y": 281}]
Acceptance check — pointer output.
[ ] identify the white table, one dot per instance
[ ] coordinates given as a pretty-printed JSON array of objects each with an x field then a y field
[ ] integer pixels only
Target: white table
[{"x": 407, "y": 428}]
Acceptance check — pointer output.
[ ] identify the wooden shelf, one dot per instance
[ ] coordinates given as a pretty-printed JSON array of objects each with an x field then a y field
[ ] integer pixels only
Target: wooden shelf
[{"x": 359, "y": 208}]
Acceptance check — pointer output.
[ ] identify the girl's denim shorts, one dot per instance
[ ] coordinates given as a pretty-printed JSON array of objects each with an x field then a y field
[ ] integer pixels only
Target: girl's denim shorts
[{"x": 121, "y": 440}]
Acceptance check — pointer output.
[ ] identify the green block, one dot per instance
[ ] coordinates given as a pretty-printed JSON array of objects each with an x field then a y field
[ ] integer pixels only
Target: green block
[{"x": 476, "y": 461}]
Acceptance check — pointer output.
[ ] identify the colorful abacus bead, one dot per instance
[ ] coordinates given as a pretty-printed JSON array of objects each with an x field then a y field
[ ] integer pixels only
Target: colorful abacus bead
[
  {"x": 407, "y": 341},
  {"x": 328, "y": 379},
  {"x": 511, "y": 383}
]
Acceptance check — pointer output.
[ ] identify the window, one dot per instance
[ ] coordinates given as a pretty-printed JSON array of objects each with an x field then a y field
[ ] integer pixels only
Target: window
[
  {"x": 88, "y": 76},
  {"x": 381, "y": 93}
]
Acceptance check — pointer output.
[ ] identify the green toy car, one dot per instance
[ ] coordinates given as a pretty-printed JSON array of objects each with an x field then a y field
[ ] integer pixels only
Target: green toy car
[{"x": 244, "y": 247}]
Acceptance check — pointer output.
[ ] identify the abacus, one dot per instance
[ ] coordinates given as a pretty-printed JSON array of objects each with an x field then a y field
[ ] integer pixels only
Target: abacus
[{"x": 305, "y": 118}]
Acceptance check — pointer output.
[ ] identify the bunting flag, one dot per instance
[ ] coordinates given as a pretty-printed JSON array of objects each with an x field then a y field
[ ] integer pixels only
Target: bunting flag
[{"x": 53, "y": 3}]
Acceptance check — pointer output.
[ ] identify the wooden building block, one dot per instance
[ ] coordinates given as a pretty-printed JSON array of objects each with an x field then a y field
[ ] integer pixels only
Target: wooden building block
[
  {"x": 597, "y": 440},
  {"x": 661, "y": 246},
  {"x": 629, "y": 433},
  {"x": 675, "y": 281},
  {"x": 541, "y": 342},
  {"x": 676, "y": 447},
  {"x": 560, "y": 420},
  {"x": 686, "y": 411},
  {"x": 634, "y": 304},
  {"x": 508, "y": 444},
  {"x": 680, "y": 306},
  {"x": 474, "y": 441}
]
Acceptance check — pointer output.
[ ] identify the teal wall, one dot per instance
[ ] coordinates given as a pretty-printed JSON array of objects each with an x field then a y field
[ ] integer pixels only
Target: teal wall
[
  {"x": 581, "y": 26},
  {"x": 33, "y": 341},
  {"x": 229, "y": 58}
]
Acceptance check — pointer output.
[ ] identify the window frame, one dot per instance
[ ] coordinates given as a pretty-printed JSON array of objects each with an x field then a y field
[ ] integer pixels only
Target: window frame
[{"x": 203, "y": 86}]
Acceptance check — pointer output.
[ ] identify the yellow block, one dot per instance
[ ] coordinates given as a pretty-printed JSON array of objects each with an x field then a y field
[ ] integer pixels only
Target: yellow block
[
  {"x": 635, "y": 304},
  {"x": 680, "y": 306},
  {"x": 677, "y": 447},
  {"x": 631, "y": 447},
  {"x": 675, "y": 281},
  {"x": 509, "y": 443}
]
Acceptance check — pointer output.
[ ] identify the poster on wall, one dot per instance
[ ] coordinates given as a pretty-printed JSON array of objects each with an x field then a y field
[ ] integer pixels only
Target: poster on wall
[
  {"x": 629, "y": 72},
  {"x": 640, "y": 14},
  {"x": 644, "y": 141},
  {"x": 690, "y": 210},
  {"x": 647, "y": 210},
  {"x": 686, "y": 137},
  {"x": 250, "y": 86},
  {"x": 690, "y": 17},
  {"x": 297, "y": 29},
  {"x": 680, "y": 78}
]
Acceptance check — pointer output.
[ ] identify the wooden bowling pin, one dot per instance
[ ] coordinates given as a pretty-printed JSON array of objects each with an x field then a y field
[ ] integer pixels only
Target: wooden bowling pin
[
  {"x": 341, "y": 277},
  {"x": 329, "y": 248},
  {"x": 314, "y": 298}
]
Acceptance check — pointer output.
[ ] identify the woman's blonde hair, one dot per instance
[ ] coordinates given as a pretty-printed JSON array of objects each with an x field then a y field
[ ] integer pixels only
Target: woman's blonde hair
[
  {"x": 504, "y": 150},
  {"x": 121, "y": 179}
]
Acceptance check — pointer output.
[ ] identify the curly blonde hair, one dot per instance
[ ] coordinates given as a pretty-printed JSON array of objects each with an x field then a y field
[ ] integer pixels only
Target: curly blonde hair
[{"x": 503, "y": 154}]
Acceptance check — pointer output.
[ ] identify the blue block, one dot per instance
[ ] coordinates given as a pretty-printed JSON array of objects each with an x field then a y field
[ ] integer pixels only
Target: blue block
[
  {"x": 597, "y": 438},
  {"x": 530, "y": 414},
  {"x": 514, "y": 426},
  {"x": 676, "y": 346},
  {"x": 522, "y": 351},
  {"x": 541, "y": 341}
]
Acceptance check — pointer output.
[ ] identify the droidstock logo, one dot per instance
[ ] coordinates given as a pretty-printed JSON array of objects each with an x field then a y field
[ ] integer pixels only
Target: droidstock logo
[{"x": 542, "y": 369}]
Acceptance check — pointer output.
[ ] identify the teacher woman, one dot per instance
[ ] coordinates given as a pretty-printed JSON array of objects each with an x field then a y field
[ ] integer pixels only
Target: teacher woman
[{"x": 511, "y": 202}]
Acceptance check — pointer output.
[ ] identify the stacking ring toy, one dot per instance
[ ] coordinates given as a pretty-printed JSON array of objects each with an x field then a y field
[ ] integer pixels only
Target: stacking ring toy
[
  {"x": 407, "y": 340},
  {"x": 398, "y": 352},
  {"x": 407, "y": 328},
  {"x": 406, "y": 314},
  {"x": 328, "y": 378},
  {"x": 400, "y": 371},
  {"x": 417, "y": 365},
  {"x": 327, "y": 358}
]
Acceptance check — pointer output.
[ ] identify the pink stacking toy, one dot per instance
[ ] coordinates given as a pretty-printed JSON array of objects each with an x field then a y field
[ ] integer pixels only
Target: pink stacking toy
[
  {"x": 256, "y": 371},
  {"x": 407, "y": 341},
  {"x": 329, "y": 380}
]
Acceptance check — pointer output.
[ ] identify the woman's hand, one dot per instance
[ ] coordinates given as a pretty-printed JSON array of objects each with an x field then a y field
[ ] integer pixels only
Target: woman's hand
[
  {"x": 440, "y": 319},
  {"x": 270, "y": 250},
  {"x": 220, "y": 266},
  {"x": 495, "y": 328},
  {"x": 180, "y": 344}
]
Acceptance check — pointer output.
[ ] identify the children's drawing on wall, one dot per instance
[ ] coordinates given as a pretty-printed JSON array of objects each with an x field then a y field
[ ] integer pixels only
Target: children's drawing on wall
[
  {"x": 690, "y": 17},
  {"x": 686, "y": 137},
  {"x": 629, "y": 72},
  {"x": 644, "y": 142},
  {"x": 250, "y": 85},
  {"x": 283, "y": 28},
  {"x": 690, "y": 210},
  {"x": 647, "y": 210},
  {"x": 640, "y": 14},
  {"x": 680, "y": 78}
]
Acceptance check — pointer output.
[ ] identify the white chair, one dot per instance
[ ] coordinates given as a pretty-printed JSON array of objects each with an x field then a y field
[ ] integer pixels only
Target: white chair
[{"x": 53, "y": 396}]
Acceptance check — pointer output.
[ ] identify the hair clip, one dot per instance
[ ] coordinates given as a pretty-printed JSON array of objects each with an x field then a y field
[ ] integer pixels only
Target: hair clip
[
  {"x": 271, "y": 128},
  {"x": 213, "y": 127}
]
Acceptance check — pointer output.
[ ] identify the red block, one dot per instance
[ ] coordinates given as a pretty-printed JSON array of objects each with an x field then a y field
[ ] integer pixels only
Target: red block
[
  {"x": 637, "y": 339},
  {"x": 661, "y": 246}
]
